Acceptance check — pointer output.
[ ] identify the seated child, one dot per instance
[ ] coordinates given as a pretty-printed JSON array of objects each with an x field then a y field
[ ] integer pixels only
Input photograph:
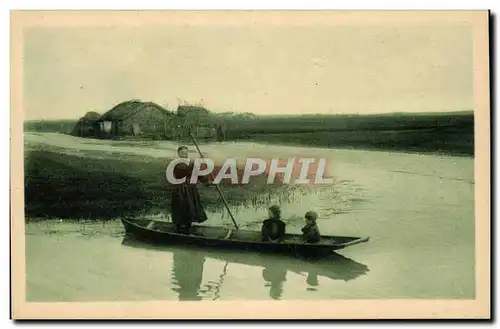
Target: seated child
[
  {"x": 310, "y": 232},
  {"x": 273, "y": 228}
]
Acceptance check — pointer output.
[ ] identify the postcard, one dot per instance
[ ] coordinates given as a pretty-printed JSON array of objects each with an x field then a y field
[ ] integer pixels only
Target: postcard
[{"x": 250, "y": 165}]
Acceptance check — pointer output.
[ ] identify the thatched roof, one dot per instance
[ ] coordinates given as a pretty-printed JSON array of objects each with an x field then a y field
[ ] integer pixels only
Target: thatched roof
[
  {"x": 195, "y": 115},
  {"x": 126, "y": 109},
  {"x": 91, "y": 116},
  {"x": 183, "y": 110},
  {"x": 87, "y": 121}
]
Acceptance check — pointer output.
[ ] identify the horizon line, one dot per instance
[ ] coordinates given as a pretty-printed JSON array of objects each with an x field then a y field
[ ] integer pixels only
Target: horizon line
[{"x": 463, "y": 111}]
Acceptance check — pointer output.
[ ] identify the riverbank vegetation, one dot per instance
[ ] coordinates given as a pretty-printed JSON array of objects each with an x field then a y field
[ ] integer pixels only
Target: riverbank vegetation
[{"x": 108, "y": 185}]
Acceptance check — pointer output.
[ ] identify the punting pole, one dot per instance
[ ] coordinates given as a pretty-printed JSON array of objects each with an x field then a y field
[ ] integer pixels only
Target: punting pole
[{"x": 216, "y": 185}]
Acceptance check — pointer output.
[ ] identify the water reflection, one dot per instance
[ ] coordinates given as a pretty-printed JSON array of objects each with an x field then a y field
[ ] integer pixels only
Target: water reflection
[
  {"x": 333, "y": 267},
  {"x": 275, "y": 276},
  {"x": 188, "y": 266},
  {"x": 187, "y": 274}
]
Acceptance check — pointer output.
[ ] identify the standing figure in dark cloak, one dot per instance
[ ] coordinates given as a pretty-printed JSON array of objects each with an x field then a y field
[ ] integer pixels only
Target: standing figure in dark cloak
[{"x": 186, "y": 207}]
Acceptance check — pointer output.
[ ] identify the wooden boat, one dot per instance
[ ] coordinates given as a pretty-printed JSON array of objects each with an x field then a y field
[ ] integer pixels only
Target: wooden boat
[{"x": 164, "y": 233}]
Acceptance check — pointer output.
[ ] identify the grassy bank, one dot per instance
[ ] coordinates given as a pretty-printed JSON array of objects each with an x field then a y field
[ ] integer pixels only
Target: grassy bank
[
  {"x": 50, "y": 126},
  {"x": 100, "y": 185},
  {"x": 375, "y": 122},
  {"x": 442, "y": 141},
  {"x": 449, "y": 133}
]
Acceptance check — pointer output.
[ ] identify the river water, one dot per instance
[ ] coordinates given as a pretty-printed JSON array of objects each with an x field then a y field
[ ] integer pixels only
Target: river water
[{"x": 417, "y": 209}]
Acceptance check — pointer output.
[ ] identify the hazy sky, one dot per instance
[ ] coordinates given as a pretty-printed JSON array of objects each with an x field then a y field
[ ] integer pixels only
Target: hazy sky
[{"x": 264, "y": 70}]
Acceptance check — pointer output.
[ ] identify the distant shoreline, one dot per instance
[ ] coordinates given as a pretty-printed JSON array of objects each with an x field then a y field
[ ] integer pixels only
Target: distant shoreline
[
  {"x": 376, "y": 149},
  {"x": 284, "y": 140},
  {"x": 464, "y": 150},
  {"x": 447, "y": 133}
]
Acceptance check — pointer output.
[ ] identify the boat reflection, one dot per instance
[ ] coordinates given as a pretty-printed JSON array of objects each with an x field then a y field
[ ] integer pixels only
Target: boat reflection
[
  {"x": 334, "y": 267},
  {"x": 188, "y": 265}
]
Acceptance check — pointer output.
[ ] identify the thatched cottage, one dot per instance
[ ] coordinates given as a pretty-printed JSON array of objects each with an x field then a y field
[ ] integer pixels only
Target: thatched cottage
[
  {"x": 133, "y": 118},
  {"x": 87, "y": 125},
  {"x": 147, "y": 119},
  {"x": 196, "y": 120}
]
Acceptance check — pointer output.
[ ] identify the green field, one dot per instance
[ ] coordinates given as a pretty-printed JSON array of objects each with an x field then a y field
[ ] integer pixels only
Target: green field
[
  {"x": 441, "y": 140},
  {"x": 449, "y": 133},
  {"x": 50, "y": 126}
]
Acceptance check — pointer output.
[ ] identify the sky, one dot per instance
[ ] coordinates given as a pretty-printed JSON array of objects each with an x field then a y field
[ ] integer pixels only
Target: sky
[{"x": 69, "y": 71}]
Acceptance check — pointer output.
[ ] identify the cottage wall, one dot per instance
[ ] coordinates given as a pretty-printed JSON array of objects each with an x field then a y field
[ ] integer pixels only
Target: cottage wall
[
  {"x": 106, "y": 126},
  {"x": 204, "y": 132},
  {"x": 84, "y": 128},
  {"x": 148, "y": 121}
]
